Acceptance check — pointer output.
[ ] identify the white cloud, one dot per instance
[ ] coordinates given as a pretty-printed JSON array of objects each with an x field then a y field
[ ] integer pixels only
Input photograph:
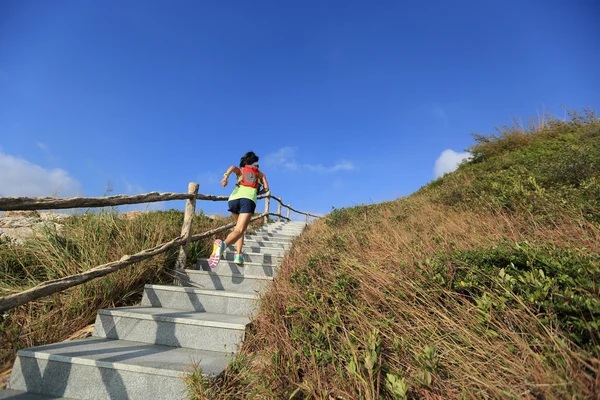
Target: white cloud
[
  {"x": 448, "y": 161},
  {"x": 19, "y": 177},
  {"x": 286, "y": 158}
]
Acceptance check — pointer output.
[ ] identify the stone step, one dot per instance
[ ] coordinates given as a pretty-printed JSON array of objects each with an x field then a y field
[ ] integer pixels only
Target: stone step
[
  {"x": 260, "y": 258},
  {"x": 97, "y": 368},
  {"x": 287, "y": 223},
  {"x": 222, "y": 281},
  {"x": 273, "y": 236},
  {"x": 191, "y": 299},
  {"x": 280, "y": 235},
  {"x": 9, "y": 394},
  {"x": 229, "y": 267},
  {"x": 259, "y": 250},
  {"x": 251, "y": 242},
  {"x": 172, "y": 327},
  {"x": 268, "y": 239},
  {"x": 271, "y": 229}
]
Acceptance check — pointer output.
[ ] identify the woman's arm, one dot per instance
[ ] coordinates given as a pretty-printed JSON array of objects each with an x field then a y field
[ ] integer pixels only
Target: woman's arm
[
  {"x": 263, "y": 179},
  {"x": 231, "y": 169}
]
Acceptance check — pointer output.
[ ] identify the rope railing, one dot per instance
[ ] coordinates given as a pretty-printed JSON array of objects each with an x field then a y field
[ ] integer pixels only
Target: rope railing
[{"x": 182, "y": 241}]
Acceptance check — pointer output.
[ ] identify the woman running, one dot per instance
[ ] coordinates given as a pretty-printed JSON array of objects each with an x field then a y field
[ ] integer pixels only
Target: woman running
[{"x": 242, "y": 204}]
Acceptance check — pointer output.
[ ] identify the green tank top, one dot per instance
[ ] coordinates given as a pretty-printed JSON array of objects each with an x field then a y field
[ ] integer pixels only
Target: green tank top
[{"x": 244, "y": 192}]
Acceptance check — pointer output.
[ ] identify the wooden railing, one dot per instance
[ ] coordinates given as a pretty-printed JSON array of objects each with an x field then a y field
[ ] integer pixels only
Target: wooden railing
[{"x": 182, "y": 241}]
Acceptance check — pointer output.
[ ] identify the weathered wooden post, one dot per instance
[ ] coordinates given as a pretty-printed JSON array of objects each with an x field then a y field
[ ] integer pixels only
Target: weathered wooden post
[
  {"x": 267, "y": 204},
  {"x": 186, "y": 228},
  {"x": 279, "y": 211},
  {"x": 289, "y": 211},
  {"x": 306, "y": 219}
]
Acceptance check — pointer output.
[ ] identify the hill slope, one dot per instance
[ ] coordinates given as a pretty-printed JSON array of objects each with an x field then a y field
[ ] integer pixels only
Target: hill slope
[{"x": 484, "y": 283}]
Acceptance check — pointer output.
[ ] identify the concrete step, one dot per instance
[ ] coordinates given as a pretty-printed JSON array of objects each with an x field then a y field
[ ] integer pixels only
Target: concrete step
[
  {"x": 229, "y": 267},
  {"x": 284, "y": 236},
  {"x": 259, "y": 250},
  {"x": 286, "y": 223},
  {"x": 260, "y": 258},
  {"x": 191, "y": 299},
  {"x": 274, "y": 236},
  {"x": 268, "y": 239},
  {"x": 96, "y": 368},
  {"x": 295, "y": 231},
  {"x": 252, "y": 242},
  {"x": 172, "y": 327},
  {"x": 9, "y": 394},
  {"x": 222, "y": 281}
]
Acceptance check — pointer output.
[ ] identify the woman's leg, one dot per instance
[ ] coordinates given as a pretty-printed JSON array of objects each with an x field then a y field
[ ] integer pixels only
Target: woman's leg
[
  {"x": 240, "y": 241},
  {"x": 239, "y": 244},
  {"x": 237, "y": 235}
]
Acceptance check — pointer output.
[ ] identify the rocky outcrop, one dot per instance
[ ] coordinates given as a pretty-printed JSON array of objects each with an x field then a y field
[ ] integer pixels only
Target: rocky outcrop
[{"x": 17, "y": 226}]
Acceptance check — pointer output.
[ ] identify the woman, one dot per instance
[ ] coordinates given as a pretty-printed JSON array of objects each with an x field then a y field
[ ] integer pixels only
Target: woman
[{"x": 242, "y": 204}]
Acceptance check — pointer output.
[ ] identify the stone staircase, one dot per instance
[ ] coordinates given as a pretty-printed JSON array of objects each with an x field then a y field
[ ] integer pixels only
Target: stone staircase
[{"x": 143, "y": 352}]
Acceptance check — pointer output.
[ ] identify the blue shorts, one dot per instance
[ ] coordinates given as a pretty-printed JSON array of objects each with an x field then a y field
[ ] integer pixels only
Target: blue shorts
[{"x": 242, "y": 206}]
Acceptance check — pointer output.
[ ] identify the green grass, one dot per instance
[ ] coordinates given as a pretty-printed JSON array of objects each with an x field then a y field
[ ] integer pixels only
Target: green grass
[{"x": 483, "y": 284}]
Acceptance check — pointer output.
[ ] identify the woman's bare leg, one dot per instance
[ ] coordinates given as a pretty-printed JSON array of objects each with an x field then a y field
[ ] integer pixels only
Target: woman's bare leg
[
  {"x": 237, "y": 235},
  {"x": 240, "y": 242}
]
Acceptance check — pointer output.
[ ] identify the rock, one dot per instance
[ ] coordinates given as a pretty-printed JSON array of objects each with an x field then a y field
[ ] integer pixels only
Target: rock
[
  {"x": 52, "y": 216},
  {"x": 17, "y": 226},
  {"x": 26, "y": 214}
]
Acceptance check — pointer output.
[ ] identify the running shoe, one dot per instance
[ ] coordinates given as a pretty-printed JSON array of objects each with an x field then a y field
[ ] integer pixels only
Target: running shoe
[{"x": 217, "y": 253}]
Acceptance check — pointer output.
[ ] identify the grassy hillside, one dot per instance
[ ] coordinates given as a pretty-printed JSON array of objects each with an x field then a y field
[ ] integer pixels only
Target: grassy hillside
[
  {"x": 87, "y": 241},
  {"x": 483, "y": 284}
]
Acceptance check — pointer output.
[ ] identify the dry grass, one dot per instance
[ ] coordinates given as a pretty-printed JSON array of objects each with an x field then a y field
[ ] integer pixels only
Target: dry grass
[
  {"x": 360, "y": 310},
  {"x": 354, "y": 297}
]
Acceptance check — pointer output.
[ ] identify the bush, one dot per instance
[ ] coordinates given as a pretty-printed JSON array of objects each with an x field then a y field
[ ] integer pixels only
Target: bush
[{"x": 560, "y": 285}]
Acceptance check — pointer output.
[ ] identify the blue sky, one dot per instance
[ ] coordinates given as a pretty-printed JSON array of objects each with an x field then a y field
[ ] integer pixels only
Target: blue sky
[{"x": 345, "y": 102}]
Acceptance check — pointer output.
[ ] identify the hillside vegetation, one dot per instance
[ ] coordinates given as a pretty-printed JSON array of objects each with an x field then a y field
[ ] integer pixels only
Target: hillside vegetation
[{"x": 483, "y": 284}]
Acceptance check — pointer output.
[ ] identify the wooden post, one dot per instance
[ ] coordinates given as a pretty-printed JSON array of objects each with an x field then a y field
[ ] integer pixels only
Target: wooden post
[
  {"x": 289, "y": 211},
  {"x": 186, "y": 228},
  {"x": 306, "y": 219},
  {"x": 267, "y": 204},
  {"x": 278, "y": 211}
]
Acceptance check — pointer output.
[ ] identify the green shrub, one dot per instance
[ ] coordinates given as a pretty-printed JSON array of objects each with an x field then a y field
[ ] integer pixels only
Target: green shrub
[{"x": 560, "y": 285}]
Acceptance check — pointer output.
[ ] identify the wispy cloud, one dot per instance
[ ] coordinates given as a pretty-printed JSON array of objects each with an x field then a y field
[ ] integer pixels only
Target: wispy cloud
[
  {"x": 44, "y": 147},
  {"x": 133, "y": 189},
  {"x": 41, "y": 146},
  {"x": 338, "y": 184},
  {"x": 448, "y": 161},
  {"x": 441, "y": 114},
  {"x": 209, "y": 178},
  {"x": 20, "y": 177},
  {"x": 285, "y": 158}
]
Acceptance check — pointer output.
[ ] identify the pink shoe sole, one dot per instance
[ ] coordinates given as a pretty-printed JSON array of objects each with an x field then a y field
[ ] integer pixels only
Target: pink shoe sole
[{"x": 215, "y": 257}]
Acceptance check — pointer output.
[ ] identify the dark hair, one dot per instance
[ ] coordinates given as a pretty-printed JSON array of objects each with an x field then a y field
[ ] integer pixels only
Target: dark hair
[{"x": 248, "y": 159}]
